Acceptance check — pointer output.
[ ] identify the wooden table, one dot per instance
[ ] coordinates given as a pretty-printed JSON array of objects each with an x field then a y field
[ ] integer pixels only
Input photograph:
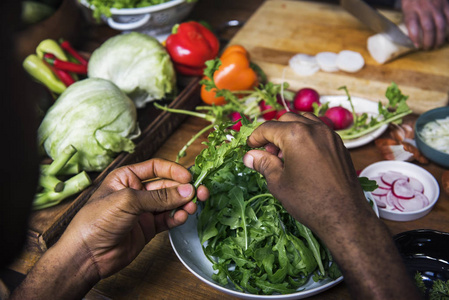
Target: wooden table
[{"x": 157, "y": 273}]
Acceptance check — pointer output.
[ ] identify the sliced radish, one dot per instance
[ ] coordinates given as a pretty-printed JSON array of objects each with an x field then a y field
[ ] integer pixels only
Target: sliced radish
[
  {"x": 380, "y": 192},
  {"x": 327, "y": 61},
  {"x": 416, "y": 185},
  {"x": 380, "y": 183},
  {"x": 418, "y": 202},
  {"x": 390, "y": 177},
  {"x": 304, "y": 64},
  {"x": 350, "y": 61},
  {"x": 391, "y": 198},
  {"x": 402, "y": 189},
  {"x": 380, "y": 201}
]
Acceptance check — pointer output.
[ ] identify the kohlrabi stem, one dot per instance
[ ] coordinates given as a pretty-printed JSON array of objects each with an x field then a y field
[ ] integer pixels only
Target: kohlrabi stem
[
  {"x": 186, "y": 112},
  {"x": 60, "y": 161},
  {"x": 72, "y": 186}
]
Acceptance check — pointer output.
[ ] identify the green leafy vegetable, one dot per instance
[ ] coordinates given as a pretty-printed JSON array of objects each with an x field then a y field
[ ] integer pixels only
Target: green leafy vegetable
[
  {"x": 396, "y": 109},
  {"x": 138, "y": 64},
  {"x": 102, "y": 7},
  {"x": 439, "y": 290},
  {"x": 250, "y": 238},
  {"x": 93, "y": 116}
]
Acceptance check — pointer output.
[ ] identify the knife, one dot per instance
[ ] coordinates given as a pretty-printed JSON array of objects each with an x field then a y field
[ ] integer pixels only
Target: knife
[{"x": 376, "y": 21}]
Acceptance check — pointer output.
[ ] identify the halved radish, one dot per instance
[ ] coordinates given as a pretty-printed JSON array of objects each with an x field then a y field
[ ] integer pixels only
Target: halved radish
[
  {"x": 327, "y": 61},
  {"x": 350, "y": 61},
  {"x": 402, "y": 189}
]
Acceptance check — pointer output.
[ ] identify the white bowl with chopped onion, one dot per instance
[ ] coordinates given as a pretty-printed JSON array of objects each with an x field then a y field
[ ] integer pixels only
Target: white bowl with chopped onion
[
  {"x": 432, "y": 135},
  {"x": 405, "y": 191}
]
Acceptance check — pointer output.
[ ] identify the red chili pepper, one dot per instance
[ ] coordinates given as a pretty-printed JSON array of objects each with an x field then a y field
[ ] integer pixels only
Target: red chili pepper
[
  {"x": 190, "y": 46},
  {"x": 64, "y": 65},
  {"x": 64, "y": 76},
  {"x": 68, "y": 47}
]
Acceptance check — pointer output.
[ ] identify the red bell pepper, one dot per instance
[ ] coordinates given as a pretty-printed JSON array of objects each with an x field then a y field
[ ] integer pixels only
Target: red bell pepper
[{"x": 190, "y": 45}]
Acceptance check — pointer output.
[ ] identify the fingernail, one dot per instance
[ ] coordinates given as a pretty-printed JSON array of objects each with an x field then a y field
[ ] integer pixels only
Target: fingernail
[
  {"x": 185, "y": 190},
  {"x": 248, "y": 160}
]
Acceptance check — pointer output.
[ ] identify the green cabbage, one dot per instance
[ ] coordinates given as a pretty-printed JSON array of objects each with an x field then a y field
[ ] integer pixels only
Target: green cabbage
[
  {"x": 94, "y": 116},
  {"x": 138, "y": 64}
]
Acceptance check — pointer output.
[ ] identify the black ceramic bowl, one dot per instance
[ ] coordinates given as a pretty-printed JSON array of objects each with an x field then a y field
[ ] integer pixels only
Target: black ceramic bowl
[{"x": 425, "y": 251}]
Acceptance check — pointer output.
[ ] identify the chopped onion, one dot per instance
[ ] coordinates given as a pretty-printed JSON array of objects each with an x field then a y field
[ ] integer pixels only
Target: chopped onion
[
  {"x": 304, "y": 64},
  {"x": 436, "y": 134}
]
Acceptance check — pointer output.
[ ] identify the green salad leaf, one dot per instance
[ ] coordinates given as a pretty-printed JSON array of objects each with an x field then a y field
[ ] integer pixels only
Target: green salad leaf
[{"x": 246, "y": 233}]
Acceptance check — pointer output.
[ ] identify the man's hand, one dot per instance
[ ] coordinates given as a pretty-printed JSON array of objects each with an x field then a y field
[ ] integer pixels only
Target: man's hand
[{"x": 427, "y": 22}]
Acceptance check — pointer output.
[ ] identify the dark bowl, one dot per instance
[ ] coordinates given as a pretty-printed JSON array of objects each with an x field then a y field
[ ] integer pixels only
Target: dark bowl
[
  {"x": 432, "y": 154},
  {"x": 425, "y": 251}
]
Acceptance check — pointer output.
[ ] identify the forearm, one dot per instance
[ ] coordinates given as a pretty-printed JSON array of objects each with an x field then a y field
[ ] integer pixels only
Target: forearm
[
  {"x": 369, "y": 260},
  {"x": 61, "y": 273}
]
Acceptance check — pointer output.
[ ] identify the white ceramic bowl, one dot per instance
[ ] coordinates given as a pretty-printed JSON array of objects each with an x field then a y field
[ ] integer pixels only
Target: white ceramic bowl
[
  {"x": 153, "y": 20},
  {"x": 431, "y": 188}
]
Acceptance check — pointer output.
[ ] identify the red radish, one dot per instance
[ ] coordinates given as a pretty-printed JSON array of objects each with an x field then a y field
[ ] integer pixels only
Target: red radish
[
  {"x": 280, "y": 113},
  {"x": 416, "y": 203},
  {"x": 416, "y": 185},
  {"x": 235, "y": 116},
  {"x": 389, "y": 177},
  {"x": 268, "y": 111},
  {"x": 402, "y": 189},
  {"x": 327, "y": 121},
  {"x": 305, "y": 98},
  {"x": 340, "y": 116}
]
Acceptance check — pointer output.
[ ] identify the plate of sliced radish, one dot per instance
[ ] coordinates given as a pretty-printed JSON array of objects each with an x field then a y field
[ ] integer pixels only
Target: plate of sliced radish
[
  {"x": 405, "y": 191},
  {"x": 361, "y": 105}
]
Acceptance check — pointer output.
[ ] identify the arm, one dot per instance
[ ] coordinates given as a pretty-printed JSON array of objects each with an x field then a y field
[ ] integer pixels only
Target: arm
[
  {"x": 427, "y": 21},
  {"x": 121, "y": 217},
  {"x": 317, "y": 184}
]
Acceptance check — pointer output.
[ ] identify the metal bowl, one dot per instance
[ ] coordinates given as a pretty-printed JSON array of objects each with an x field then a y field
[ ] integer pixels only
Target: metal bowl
[
  {"x": 152, "y": 20},
  {"x": 432, "y": 154}
]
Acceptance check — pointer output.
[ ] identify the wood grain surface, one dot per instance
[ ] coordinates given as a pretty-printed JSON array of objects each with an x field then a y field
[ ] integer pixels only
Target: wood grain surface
[{"x": 280, "y": 29}]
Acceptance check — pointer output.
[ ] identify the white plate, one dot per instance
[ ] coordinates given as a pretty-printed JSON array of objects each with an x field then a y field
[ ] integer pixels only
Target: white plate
[
  {"x": 431, "y": 188},
  {"x": 361, "y": 105},
  {"x": 186, "y": 244}
]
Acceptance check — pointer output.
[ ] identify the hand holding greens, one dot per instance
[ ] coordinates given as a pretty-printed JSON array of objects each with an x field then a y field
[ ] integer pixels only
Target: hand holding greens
[{"x": 247, "y": 234}]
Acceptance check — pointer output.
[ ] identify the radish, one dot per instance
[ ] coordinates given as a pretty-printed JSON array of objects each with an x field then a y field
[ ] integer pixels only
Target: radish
[
  {"x": 397, "y": 191},
  {"x": 340, "y": 117},
  {"x": 327, "y": 61},
  {"x": 280, "y": 113},
  {"x": 327, "y": 121},
  {"x": 350, "y": 61},
  {"x": 268, "y": 111},
  {"x": 305, "y": 98},
  {"x": 236, "y": 116},
  {"x": 304, "y": 64}
]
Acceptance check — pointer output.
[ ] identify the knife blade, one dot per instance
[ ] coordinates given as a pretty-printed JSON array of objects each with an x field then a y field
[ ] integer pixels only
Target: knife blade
[{"x": 376, "y": 21}]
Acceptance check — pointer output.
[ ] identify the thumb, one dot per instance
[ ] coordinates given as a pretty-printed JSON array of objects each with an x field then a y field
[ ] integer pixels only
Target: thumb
[
  {"x": 164, "y": 199},
  {"x": 267, "y": 164}
]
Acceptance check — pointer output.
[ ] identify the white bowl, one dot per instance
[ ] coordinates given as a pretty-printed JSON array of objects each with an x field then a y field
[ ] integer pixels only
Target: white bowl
[
  {"x": 152, "y": 20},
  {"x": 431, "y": 188}
]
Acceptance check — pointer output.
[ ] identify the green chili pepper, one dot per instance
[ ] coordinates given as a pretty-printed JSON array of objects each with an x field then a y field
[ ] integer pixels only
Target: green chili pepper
[
  {"x": 50, "y": 46},
  {"x": 42, "y": 73}
]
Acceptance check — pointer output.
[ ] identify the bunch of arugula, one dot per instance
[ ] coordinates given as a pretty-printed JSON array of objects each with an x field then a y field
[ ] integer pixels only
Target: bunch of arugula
[
  {"x": 245, "y": 232},
  {"x": 245, "y": 102}
]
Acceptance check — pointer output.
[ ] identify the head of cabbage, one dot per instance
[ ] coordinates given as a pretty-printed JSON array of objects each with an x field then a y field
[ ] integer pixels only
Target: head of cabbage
[
  {"x": 138, "y": 64},
  {"x": 94, "y": 116}
]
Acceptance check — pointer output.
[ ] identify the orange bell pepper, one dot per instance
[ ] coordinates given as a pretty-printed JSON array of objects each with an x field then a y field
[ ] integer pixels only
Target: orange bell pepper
[{"x": 234, "y": 74}]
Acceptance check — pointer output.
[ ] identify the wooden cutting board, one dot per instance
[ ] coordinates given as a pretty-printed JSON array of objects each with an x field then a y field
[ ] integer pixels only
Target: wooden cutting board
[{"x": 280, "y": 29}]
